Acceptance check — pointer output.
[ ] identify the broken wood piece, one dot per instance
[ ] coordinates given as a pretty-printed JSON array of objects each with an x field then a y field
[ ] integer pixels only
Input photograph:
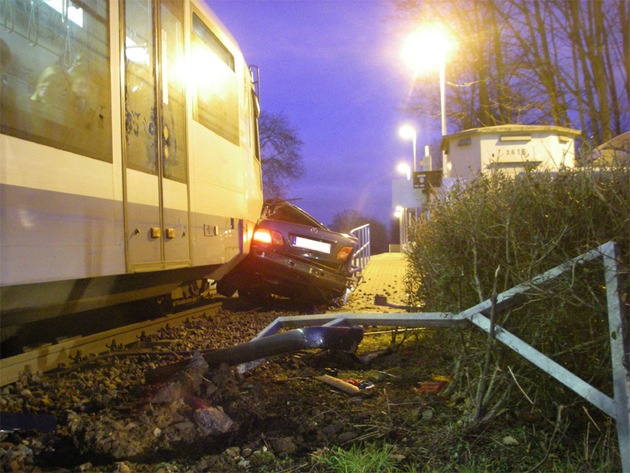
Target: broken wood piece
[{"x": 340, "y": 384}]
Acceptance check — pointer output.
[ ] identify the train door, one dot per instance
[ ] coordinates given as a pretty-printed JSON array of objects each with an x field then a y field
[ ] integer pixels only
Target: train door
[{"x": 156, "y": 187}]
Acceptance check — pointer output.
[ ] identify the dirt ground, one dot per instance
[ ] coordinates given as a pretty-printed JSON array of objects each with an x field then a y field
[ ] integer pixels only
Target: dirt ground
[{"x": 280, "y": 416}]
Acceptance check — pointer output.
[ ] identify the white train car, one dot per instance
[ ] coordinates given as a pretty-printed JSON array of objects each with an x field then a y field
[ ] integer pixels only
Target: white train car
[{"x": 129, "y": 159}]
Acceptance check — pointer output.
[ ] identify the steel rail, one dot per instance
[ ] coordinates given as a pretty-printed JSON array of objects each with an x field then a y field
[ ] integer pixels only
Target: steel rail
[{"x": 48, "y": 357}]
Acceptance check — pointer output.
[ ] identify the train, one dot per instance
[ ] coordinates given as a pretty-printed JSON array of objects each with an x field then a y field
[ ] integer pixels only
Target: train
[{"x": 130, "y": 166}]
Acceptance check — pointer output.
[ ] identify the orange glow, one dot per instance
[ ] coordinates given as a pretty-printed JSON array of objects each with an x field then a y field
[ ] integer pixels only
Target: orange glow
[
  {"x": 344, "y": 253},
  {"x": 262, "y": 236},
  {"x": 267, "y": 237}
]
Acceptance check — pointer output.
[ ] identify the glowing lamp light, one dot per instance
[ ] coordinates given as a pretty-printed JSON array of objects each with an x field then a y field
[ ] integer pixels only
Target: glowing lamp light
[
  {"x": 407, "y": 132},
  {"x": 399, "y": 211},
  {"x": 427, "y": 47},
  {"x": 403, "y": 168}
]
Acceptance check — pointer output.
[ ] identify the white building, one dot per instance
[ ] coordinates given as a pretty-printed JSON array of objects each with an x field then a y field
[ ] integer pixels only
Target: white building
[
  {"x": 406, "y": 204},
  {"x": 615, "y": 152},
  {"x": 510, "y": 148}
]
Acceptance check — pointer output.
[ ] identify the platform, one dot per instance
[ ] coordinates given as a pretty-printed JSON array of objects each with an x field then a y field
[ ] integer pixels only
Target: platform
[{"x": 384, "y": 276}]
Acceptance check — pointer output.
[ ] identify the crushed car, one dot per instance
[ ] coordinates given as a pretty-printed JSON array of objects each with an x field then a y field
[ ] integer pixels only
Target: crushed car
[{"x": 293, "y": 256}]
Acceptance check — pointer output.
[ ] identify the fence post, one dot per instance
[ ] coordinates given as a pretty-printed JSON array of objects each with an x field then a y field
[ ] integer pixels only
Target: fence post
[
  {"x": 618, "y": 350},
  {"x": 362, "y": 256}
]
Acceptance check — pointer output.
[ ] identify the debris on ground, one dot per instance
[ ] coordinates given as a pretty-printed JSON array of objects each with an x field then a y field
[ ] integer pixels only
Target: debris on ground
[
  {"x": 275, "y": 417},
  {"x": 438, "y": 383}
]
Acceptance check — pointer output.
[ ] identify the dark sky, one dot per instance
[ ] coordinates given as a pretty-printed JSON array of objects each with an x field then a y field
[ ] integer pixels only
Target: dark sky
[{"x": 333, "y": 68}]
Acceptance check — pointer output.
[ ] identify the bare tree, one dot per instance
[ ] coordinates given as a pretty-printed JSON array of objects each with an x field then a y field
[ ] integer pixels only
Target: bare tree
[
  {"x": 347, "y": 220},
  {"x": 556, "y": 62},
  {"x": 280, "y": 151}
]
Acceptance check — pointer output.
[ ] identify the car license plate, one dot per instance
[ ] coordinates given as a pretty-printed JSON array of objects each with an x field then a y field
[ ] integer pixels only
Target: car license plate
[{"x": 309, "y": 244}]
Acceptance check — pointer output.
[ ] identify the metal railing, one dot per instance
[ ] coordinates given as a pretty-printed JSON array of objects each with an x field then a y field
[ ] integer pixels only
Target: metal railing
[{"x": 362, "y": 256}]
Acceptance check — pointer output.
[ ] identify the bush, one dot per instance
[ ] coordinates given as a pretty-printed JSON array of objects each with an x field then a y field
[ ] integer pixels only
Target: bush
[
  {"x": 523, "y": 226},
  {"x": 497, "y": 232}
]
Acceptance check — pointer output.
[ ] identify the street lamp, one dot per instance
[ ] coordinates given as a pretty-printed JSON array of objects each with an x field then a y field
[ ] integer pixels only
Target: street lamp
[
  {"x": 403, "y": 168},
  {"x": 426, "y": 49},
  {"x": 409, "y": 132}
]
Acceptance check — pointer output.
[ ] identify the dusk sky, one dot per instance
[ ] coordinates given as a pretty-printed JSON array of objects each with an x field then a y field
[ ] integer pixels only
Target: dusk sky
[{"x": 333, "y": 68}]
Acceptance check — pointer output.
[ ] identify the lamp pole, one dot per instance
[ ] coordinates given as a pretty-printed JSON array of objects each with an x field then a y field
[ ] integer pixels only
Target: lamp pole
[
  {"x": 426, "y": 48},
  {"x": 406, "y": 132},
  {"x": 443, "y": 93},
  {"x": 445, "y": 168},
  {"x": 413, "y": 141}
]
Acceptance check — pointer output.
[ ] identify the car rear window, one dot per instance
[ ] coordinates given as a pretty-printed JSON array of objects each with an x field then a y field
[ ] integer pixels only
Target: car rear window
[{"x": 292, "y": 214}]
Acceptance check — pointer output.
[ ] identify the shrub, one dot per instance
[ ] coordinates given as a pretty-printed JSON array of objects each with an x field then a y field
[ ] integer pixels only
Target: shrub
[
  {"x": 497, "y": 232},
  {"x": 523, "y": 226}
]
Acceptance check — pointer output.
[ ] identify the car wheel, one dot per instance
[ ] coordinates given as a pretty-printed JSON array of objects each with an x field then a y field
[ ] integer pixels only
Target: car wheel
[{"x": 226, "y": 288}]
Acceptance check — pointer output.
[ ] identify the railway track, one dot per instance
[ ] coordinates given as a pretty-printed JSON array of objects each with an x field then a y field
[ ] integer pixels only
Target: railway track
[{"x": 50, "y": 356}]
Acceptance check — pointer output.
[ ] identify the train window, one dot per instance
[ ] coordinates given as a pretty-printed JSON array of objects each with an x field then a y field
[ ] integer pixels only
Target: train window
[
  {"x": 55, "y": 84},
  {"x": 147, "y": 126},
  {"x": 173, "y": 94},
  {"x": 214, "y": 83},
  {"x": 140, "y": 86}
]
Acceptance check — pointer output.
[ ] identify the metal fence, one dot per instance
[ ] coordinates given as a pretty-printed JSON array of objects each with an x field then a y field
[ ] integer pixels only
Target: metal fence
[{"x": 362, "y": 256}]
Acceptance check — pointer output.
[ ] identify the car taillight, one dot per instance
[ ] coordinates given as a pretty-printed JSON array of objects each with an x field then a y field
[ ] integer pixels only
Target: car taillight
[
  {"x": 343, "y": 253},
  {"x": 267, "y": 237}
]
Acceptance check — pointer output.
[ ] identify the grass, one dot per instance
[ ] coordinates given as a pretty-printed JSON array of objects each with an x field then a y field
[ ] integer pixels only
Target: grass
[{"x": 370, "y": 458}]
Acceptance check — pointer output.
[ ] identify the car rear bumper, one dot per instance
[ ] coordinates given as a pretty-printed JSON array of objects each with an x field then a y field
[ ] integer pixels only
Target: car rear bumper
[{"x": 290, "y": 276}]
